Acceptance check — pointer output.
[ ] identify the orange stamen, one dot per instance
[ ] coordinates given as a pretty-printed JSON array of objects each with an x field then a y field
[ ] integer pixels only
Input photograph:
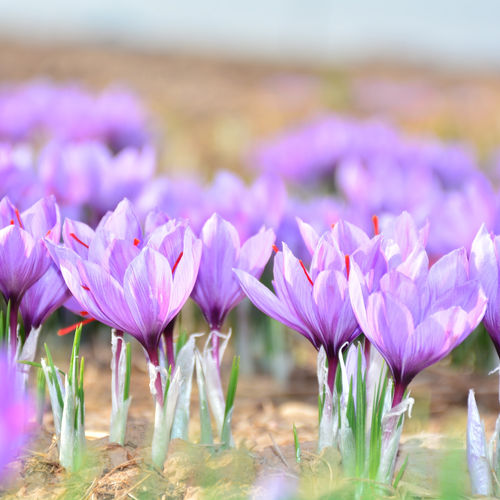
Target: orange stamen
[
  {"x": 275, "y": 248},
  {"x": 177, "y": 262},
  {"x": 69, "y": 329},
  {"x": 18, "y": 215},
  {"x": 375, "y": 224},
  {"x": 347, "y": 265},
  {"x": 305, "y": 272},
  {"x": 75, "y": 237},
  {"x": 48, "y": 233},
  {"x": 136, "y": 242}
]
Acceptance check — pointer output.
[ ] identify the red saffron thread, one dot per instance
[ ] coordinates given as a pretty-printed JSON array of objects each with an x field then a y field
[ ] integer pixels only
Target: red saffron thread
[
  {"x": 74, "y": 236},
  {"x": 275, "y": 248},
  {"x": 85, "y": 287},
  {"x": 375, "y": 224},
  {"x": 177, "y": 262},
  {"x": 69, "y": 329},
  {"x": 305, "y": 272},
  {"x": 18, "y": 215},
  {"x": 347, "y": 265},
  {"x": 136, "y": 242}
]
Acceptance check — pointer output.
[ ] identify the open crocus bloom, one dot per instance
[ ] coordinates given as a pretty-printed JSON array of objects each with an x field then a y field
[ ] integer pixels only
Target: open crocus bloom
[
  {"x": 217, "y": 290},
  {"x": 125, "y": 284},
  {"x": 314, "y": 303},
  {"x": 23, "y": 255},
  {"x": 415, "y": 320}
]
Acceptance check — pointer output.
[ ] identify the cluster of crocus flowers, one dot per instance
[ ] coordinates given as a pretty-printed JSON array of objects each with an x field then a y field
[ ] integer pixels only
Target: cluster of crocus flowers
[{"x": 412, "y": 313}]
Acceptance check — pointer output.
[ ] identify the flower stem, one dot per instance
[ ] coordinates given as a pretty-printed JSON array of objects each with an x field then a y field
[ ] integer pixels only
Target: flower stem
[
  {"x": 332, "y": 370},
  {"x": 153, "y": 357},
  {"x": 14, "y": 310},
  {"x": 399, "y": 391},
  {"x": 215, "y": 349},
  {"x": 168, "y": 337}
]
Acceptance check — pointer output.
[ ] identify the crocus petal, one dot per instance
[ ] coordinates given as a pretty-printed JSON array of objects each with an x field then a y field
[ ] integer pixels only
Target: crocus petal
[
  {"x": 77, "y": 236},
  {"x": 448, "y": 272},
  {"x": 147, "y": 287},
  {"x": 22, "y": 261},
  {"x": 186, "y": 272},
  {"x": 484, "y": 264},
  {"x": 43, "y": 219},
  {"x": 268, "y": 303},
  {"x": 122, "y": 223},
  {"x": 309, "y": 235}
]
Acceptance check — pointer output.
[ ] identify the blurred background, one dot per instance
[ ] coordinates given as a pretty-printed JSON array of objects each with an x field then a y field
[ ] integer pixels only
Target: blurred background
[{"x": 285, "y": 106}]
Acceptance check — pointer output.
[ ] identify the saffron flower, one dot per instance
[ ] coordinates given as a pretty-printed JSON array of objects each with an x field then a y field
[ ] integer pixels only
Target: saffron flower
[
  {"x": 217, "y": 289},
  {"x": 485, "y": 267},
  {"x": 416, "y": 318},
  {"x": 313, "y": 302},
  {"x": 125, "y": 284},
  {"x": 24, "y": 258}
]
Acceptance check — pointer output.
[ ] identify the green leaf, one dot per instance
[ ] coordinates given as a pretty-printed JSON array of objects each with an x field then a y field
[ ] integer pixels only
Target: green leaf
[
  {"x": 181, "y": 342},
  {"x": 128, "y": 354},
  {"x": 231, "y": 393},
  {"x": 297, "y": 444},
  {"x": 400, "y": 473},
  {"x": 53, "y": 376}
]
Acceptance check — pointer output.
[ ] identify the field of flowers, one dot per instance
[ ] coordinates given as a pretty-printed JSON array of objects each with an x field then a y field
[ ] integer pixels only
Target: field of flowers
[{"x": 225, "y": 281}]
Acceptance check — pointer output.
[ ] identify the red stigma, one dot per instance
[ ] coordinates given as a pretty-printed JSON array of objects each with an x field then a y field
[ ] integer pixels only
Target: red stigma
[
  {"x": 136, "y": 242},
  {"x": 18, "y": 215},
  {"x": 75, "y": 237},
  {"x": 347, "y": 265},
  {"x": 332, "y": 225},
  {"x": 177, "y": 262},
  {"x": 275, "y": 248},
  {"x": 305, "y": 272},
  {"x": 375, "y": 224},
  {"x": 11, "y": 222},
  {"x": 48, "y": 233},
  {"x": 69, "y": 329},
  {"x": 85, "y": 287},
  {"x": 84, "y": 313}
]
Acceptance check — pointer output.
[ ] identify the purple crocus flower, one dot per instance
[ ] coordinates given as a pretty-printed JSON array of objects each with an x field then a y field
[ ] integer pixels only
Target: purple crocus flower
[
  {"x": 127, "y": 285},
  {"x": 415, "y": 320},
  {"x": 217, "y": 289},
  {"x": 24, "y": 258},
  {"x": 485, "y": 267},
  {"x": 43, "y": 298},
  {"x": 314, "y": 302},
  {"x": 16, "y": 410}
]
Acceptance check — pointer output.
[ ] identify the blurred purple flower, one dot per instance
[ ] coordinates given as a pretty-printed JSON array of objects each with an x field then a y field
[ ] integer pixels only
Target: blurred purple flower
[{"x": 16, "y": 410}]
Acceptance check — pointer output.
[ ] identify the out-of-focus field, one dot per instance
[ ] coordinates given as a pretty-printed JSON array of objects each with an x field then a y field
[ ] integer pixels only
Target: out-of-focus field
[{"x": 207, "y": 115}]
